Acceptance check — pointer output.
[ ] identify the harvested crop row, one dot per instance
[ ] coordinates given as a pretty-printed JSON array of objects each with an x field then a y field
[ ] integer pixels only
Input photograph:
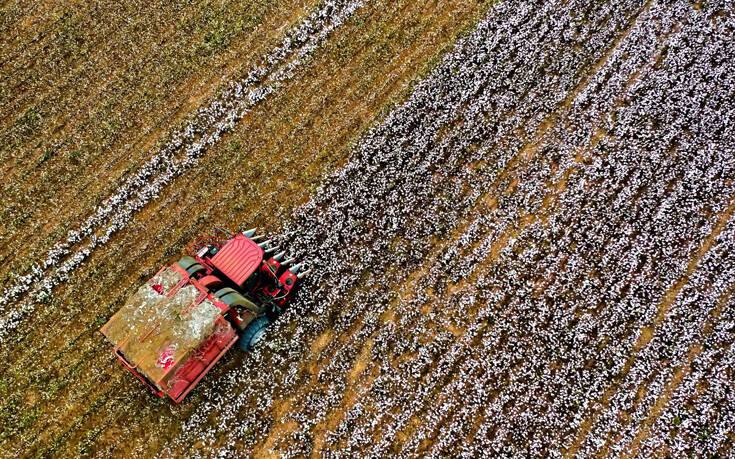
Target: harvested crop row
[
  {"x": 179, "y": 154},
  {"x": 102, "y": 130}
]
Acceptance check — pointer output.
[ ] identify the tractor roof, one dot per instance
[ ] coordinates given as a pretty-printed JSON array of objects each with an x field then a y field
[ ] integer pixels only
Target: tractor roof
[
  {"x": 156, "y": 331},
  {"x": 238, "y": 259}
]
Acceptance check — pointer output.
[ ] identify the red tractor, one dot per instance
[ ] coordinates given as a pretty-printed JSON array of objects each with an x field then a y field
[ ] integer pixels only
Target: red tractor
[{"x": 175, "y": 327}]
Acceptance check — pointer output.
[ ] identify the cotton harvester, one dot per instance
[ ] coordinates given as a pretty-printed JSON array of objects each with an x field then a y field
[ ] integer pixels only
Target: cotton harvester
[{"x": 175, "y": 327}]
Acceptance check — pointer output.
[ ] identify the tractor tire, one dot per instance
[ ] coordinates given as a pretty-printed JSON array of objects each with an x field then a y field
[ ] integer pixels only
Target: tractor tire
[
  {"x": 223, "y": 292},
  {"x": 253, "y": 333},
  {"x": 195, "y": 268},
  {"x": 233, "y": 299},
  {"x": 186, "y": 262}
]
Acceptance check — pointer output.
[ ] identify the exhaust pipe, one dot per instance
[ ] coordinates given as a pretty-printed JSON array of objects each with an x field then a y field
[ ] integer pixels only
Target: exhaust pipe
[{"x": 249, "y": 233}]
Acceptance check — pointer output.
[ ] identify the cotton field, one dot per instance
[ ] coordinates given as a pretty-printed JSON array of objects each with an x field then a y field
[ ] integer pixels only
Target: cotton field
[{"x": 520, "y": 218}]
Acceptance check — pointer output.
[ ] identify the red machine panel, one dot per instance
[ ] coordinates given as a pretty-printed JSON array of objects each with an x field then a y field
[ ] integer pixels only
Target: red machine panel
[
  {"x": 238, "y": 259},
  {"x": 201, "y": 360}
]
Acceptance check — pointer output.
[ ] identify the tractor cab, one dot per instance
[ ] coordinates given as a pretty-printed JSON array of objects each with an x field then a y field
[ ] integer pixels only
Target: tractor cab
[{"x": 176, "y": 326}]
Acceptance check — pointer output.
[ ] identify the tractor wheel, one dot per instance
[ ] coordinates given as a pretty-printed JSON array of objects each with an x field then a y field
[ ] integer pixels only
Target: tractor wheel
[
  {"x": 195, "y": 268},
  {"x": 233, "y": 299},
  {"x": 186, "y": 262},
  {"x": 253, "y": 333}
]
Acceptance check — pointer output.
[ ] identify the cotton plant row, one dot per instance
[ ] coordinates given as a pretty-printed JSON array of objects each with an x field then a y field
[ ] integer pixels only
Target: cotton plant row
[
  {"x": 698, "y": 417},
  {"x": 430, "y": 215},
  {"x": 388, "y": 160},
  {"x": 585, "y": 326},
  {"x": 180, "y": 153},
  {"x": 669, "y": 348},
  {"x": 622, "y": 317},
  {"x": 712, "y": 157},
  {"x": 619, "y": 238}
]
